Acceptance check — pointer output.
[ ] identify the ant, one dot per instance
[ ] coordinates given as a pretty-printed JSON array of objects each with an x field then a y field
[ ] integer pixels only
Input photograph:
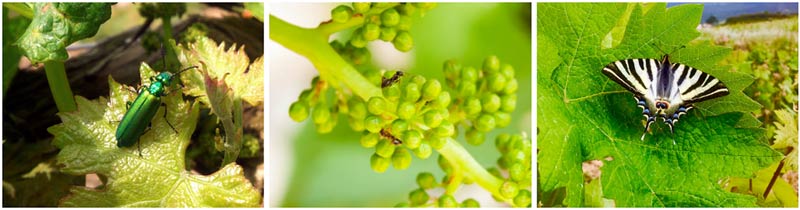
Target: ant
[
  {"x": 389, "y": 136},
  {"x": 388, "y": 82}
]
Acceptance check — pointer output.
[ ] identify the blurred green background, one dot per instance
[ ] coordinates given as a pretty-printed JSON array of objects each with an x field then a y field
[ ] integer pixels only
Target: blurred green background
[{"x": 333, "y": 170}]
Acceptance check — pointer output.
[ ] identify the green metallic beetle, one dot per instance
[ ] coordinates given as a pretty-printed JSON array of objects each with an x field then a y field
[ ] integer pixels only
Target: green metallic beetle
[{"x": 144, "y": 108}]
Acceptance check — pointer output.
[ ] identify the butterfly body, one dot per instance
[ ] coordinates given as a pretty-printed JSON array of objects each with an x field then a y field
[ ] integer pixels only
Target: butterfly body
[{"x": 663, "y": 89}]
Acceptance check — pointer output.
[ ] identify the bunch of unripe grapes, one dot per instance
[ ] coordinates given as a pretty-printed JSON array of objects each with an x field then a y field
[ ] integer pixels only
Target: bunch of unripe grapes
[
  {"x": 321, "y": 102},
  {"x": 515, "y": 159},
  {"x": 389, "y": 22},
  {"x": 486, "y": 96},
  {"x": 415, "y": 115}
]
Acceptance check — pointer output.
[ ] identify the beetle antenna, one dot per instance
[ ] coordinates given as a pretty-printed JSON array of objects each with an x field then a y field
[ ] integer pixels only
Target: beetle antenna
[{"x": 187, "y": 68}]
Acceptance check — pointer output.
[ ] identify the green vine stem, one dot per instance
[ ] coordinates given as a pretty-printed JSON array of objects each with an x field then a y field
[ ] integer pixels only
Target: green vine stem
[
  {"x": 313, "y": 44},
  {"x": 59, "y": 86}
]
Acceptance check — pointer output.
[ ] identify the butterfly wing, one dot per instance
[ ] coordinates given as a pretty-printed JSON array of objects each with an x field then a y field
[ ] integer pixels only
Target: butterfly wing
[
  {"x": 696, "y": 86},
  {"x": 636, "y": 75}
]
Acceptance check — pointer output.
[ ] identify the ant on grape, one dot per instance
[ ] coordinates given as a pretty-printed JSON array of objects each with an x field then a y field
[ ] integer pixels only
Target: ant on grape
[
  {"x": 389, "y": 136},
  {"x": 388, "y": 82}
]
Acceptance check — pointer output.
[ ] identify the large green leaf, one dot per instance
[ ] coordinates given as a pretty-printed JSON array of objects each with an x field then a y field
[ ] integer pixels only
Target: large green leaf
[
  {"x": 583, "y": 115},
  {"x": 158, "y": 177}
]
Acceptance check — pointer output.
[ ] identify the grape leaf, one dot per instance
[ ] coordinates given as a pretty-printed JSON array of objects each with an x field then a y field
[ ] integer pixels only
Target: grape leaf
[
  {"x": 57, "y": 25},
  {"x": 245, "y": 80},
  {"x": 224, "y": 81},
  {"x": 583, "y": 115},
  {"x": 156, "y": 179}
]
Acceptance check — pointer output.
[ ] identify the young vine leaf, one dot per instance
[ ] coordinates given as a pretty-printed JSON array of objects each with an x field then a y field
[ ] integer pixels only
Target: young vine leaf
[
  {"x": 59, "y": 25},
  {"x": 225, "y": 78},
  {"x": 157, "y": 178},
  {"x": 585, "y": 116}
]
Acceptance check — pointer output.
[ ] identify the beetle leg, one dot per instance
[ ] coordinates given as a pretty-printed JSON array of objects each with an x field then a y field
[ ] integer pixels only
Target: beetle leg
[
  {"x": 139, "y": 146},
  {"x": 167, "y": 120}
]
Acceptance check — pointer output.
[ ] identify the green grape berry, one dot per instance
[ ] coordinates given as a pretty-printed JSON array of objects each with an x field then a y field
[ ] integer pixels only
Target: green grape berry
[
  {"x": 451, "y": 70},
  {"x": 509, "y": 189},
  {"x": 508, "y": 103},
  {"x": 473, "y": 106},
  {"x": 507, "y": 70},
  {"x": 490, "y": 103},
  {"x": 404, "y": 24},
  {"x": 370, "y": 140},
  {"x": 412, "y": 93},
  {"x": 497, "y": 82},
  {"x": 437, "y": 142},
  {"x": 501, "y": 142},
  {"x": 372, "y": 123},
  {"x": 401, "y": 158},
  {"x": 357, "y": 108},
  {"x": 502, "y": 119},
  {"x": 392, "y": 93},
  {"x": 341, "y": 14},
  {"x": 412, "y": 139},
  {"x": 491, "y": 64},
  {"x": 442, "y": 101},
  {"x": 511, "y": 86},
  {"x": 384, "y": 149},
  {"x": 444, "y": 165},
  {"x": 407, "y": 9},
  {"x": 371, "y": 31},
  {"x": 399, "y": 126},
  {"x": 388, "y": 33},
  {"x": 403, "y": 41},
  {"x": 358, "y": 40},
  {"x": 516, "y": 172},
  {"x": 418, "y": 79},
  {"x": 374, "y": 19},
  {"x": 423, "y": 151},
  {"x": 485, "y": 123},
  {"x": 356, "y": 124},
  {"x": 523, "y": 199},
  {"x": 470, "y": 203},
  {"x": 433, "y": 118},
  {"x": 466, "y": 88},
  {"x": 516, "y": 155},
  {"x": 305, "y": 96},
  {"x": 426, "y": 180},
  {"x": 326, "y": 127},
  {"x": 447, "y": 201},
  {"x": 418, "y": 197},
  {"x": 431, "y": 90},
  {"x": 406, "y": 110},
  {"x": 376, "y": 105},
  {"x": 390, "y": 17},
  {"x": 298, "y": 111},
  {"x": 446, "y": 129},
  {"x": 361, "y": 7},
  {"x": 469, "y": 74},
  {"x": 321, "y": 113},
  {"x": 379, "y": 164},
  {"x": 474, "y": 137}
]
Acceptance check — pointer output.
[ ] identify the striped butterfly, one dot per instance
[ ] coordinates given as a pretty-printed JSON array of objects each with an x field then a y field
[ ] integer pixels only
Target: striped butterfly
[{"x": 662, "y": 89}]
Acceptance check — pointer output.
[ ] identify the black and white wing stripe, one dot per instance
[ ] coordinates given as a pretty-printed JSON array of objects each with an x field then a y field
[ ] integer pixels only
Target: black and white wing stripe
[
  {"x": 636, "y": 75},
  {"x": 696, "y": 86}
]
